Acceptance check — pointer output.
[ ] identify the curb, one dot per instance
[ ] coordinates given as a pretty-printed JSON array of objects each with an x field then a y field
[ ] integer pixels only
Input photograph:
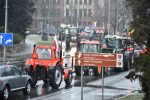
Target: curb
[{"x": 127, "y": 95}]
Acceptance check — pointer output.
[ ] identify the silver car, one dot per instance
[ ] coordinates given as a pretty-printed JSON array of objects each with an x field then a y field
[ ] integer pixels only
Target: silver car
[{"x": 12, "y": 79}]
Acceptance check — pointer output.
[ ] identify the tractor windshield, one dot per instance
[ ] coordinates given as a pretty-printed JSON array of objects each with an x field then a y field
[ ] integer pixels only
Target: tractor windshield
[
  {"x": 43, "y": 53},
  {"x": 115, "y": 43},
  {"x": 95, "y": 48}
]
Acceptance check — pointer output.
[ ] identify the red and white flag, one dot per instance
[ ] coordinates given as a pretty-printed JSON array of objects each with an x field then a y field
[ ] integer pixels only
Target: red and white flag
[{"x": 56, "y": 43}]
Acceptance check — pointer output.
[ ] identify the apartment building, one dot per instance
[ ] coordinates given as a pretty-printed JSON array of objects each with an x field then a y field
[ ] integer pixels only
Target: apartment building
[
  {"x": 78, "y": 12},
  {"x": 50, "y": 13}
]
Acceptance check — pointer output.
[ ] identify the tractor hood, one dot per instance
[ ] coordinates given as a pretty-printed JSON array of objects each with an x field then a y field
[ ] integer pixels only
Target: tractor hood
[{"x": 41, "y": 62}]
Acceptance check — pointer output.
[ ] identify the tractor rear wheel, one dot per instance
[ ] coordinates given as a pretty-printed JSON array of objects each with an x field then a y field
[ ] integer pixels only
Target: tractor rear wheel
[
  {"x": 34, "y": 79},
  {"x": 78, "y": 70},
  {"x": 32, "y": 73},
  {"x": 95, "y": 70},
  {"x": 55, "y": 77}
]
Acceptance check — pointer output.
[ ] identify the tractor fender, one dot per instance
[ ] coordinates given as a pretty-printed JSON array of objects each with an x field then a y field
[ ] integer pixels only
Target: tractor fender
[
  {"x": 30, "y": 62},
  {"x": 66, "y": 71}
]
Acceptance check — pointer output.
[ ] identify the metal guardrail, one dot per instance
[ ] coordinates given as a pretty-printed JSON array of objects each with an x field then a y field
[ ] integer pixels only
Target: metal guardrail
[{"x": 13, "y": 49}]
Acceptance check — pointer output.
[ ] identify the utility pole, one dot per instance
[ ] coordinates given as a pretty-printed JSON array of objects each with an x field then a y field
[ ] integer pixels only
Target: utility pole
[
  {"x": 6, "y": 20},
  {"x": 108, "y": 17}
]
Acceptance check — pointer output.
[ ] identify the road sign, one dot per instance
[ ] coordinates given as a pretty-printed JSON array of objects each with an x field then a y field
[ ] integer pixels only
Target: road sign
[
  {"x": 99, "y": 59},
  {"x": 6, "y": 39}
]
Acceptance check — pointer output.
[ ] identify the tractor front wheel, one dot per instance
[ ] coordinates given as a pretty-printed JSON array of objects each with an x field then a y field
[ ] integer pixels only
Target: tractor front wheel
[
  {"x": 55, "y": 77},
  {"x": 68, "y": 81}
]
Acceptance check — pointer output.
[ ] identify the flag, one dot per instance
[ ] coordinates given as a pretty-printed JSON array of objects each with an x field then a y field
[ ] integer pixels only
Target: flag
[{"x": 56, "y": 44}]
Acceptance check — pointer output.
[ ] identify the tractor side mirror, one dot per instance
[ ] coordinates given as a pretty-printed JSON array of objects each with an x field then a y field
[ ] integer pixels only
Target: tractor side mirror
[
  {"x": 34, "y": 45},
  {"x": 34, "y": 55}
]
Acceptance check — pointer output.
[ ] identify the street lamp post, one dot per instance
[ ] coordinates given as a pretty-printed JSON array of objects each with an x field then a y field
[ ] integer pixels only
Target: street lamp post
[
  {"x": 117, "y": 17},
  {"x": 108, "y": 17},
  {"x": 6, "y": 20}
]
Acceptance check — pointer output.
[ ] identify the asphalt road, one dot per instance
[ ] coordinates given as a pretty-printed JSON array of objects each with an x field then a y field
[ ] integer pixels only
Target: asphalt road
[
  {"x": 43, "y": 90},
  {"x": 114, "y": 87}
]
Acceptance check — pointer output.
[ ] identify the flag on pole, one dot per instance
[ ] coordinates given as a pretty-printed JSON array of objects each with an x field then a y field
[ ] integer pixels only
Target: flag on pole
[{"x": 56, "y": 43}]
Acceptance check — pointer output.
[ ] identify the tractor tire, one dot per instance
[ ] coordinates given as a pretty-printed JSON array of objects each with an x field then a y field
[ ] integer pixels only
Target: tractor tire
[
  {"x": 78, "y": 70},
  {"x": 95, "y": 70},
  {"x": 67, "y": 43},
  {"x": 45, "y": 81},
  {"x": 78, "y": 43},
  {"x": 55, "y": 77},
  {"x": 34, "y": 78},
  {"x": 91, "y": 72},
  {"x": 69, "y": 80},
  {"x": 86, "y": 72}
]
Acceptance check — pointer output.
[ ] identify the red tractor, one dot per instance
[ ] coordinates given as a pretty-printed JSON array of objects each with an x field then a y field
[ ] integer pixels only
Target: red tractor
[
  {"x": 88, "y": 42},
  {"x": 47, "y": 64}
]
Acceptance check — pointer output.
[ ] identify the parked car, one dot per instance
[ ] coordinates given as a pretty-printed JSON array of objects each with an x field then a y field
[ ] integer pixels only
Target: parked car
[{"x": 12, "y": 79}]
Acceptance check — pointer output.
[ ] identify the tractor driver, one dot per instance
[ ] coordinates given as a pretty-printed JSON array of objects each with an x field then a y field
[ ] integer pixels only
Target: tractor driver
[{"x": 46, "y": 54}]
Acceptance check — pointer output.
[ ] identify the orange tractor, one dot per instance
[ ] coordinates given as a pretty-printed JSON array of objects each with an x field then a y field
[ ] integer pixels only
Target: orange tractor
[{"x": 48, "y": 65}]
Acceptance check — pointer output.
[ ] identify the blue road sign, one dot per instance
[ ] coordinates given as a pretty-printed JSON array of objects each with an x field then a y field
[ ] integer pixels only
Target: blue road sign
[{"x": 6, "y": 39}]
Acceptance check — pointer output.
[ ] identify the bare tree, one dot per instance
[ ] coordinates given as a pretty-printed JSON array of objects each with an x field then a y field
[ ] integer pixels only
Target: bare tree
[
  {"x": 98, "y": 13},
  {"x": 117, "y": 22},
  {"x": 124, "y": 16}
]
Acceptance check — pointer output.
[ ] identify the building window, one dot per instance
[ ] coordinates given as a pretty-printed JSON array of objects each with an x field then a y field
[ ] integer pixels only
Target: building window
[
  {"x": 89, "y": 12},
  {"x": 76, "y": 2},
  {"x": 80, "y": 2},
  {"x": 75, "y": 12},
  {"x": 90, "y": 2},
  {"x": 85, "y": 2},
  {"x": 80, "y": 23},
  {"x": 67, "y": 2},
  {"x": 84, "y": 23},
  {"x": 58, "y": 12},
  {"x": 89, "y": 23},
  {"x": 54, "y": 12},
  {"x": 67, "y": 12},
  {"x": 54, "y": 2},
  {"x": 80, "y": 12},
  {"x": 47, "y": 2},
  {"x": 85, "y": 12},
  {"x": 58, "y": 2}
]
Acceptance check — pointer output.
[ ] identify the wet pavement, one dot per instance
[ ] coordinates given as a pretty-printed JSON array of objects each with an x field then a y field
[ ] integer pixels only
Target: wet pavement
[
  {"x": 43, "y": 90},
  {"x": 114, "y": 86}
]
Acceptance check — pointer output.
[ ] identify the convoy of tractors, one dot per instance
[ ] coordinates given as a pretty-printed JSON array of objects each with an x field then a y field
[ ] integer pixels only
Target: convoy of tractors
[{"x": 47, "y": 62}]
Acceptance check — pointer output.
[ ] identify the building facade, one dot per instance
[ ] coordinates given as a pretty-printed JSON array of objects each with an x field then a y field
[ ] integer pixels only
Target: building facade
[
  {"x": 48, "y": 13},
  {"x": 51, "y": 13},
  {"x": 78, "y": 12}
]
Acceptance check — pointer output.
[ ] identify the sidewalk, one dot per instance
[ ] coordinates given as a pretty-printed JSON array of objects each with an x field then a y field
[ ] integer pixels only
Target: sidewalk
[
  {"x": 118, "y": 84},
  {"x": 119, "y": 81}
]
